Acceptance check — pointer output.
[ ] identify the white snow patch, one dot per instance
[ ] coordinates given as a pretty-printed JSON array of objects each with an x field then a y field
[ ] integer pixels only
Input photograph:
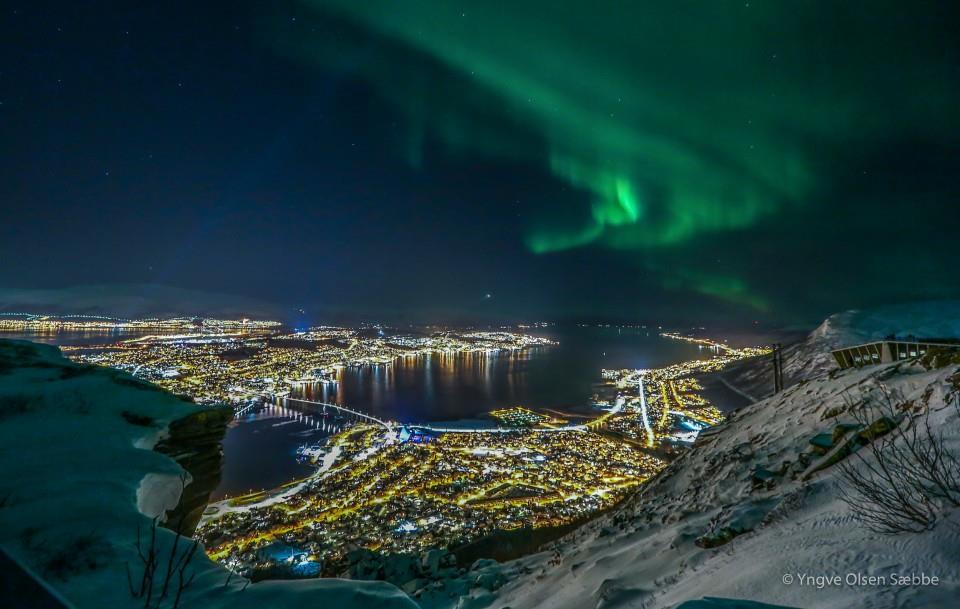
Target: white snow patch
[
  {"x": 160, "y": 493},
  {"x": 150, "y": 440}
]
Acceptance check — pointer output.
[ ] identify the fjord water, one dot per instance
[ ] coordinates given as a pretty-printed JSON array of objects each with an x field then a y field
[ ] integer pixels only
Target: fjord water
[
  {"x": 81, "y": 338},
  {"x": 260, "y": 449},
  {"x": 444, "y": 387}
]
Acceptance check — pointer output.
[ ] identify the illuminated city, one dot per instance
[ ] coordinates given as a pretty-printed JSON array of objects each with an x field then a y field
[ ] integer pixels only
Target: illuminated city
[
  {"x": 403, "y": 493},
  {"x": 236, "y": 367},
  {"x": 400, "y": 488},
  {"x": 19, "y": 322},
  {"x": 667, "y": 402}
]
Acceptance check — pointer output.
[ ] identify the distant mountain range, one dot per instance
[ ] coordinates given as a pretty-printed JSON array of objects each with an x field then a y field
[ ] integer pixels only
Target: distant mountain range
[{"x": 136, "y": 301}]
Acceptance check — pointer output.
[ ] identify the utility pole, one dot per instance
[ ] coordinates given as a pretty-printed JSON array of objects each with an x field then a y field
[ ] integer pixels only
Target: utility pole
[
  {"x": 777, "y": 368},
  {"x": 776, "y": 383},
  {"x": 780, "y": 364}
]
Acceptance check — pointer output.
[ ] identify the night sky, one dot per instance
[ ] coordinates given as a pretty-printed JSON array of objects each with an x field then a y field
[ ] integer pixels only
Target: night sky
[{"x": 676, "y": 161}]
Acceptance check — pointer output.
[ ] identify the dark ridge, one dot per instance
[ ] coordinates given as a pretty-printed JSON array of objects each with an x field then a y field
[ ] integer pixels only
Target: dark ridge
[{"x": 195, "y": 443}]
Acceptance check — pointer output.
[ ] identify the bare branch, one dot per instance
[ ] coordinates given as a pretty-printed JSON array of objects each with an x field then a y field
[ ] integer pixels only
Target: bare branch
[
  {"x": 900, "y": 482},
  {"x": 176, "y": 565}
]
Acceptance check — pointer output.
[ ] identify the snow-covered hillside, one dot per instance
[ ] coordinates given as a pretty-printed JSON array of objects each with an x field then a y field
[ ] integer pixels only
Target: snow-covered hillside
[
  {"x": 940, "y": 319},
  {"x": 811, "y": 357},
  {"x": 75, "y": 452},
  {"x": 751, "y": 493}
]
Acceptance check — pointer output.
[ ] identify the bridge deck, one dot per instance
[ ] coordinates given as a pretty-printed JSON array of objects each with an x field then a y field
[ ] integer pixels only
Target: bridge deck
[{"x": 389, "y": 425}]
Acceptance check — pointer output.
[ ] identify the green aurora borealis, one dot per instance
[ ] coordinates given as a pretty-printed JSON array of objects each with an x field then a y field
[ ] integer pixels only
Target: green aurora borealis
[{"x": 714, "y": 145}]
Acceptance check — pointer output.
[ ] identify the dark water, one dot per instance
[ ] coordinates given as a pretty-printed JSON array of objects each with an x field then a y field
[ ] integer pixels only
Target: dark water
[
  {"x": 79, "y": 338},
  {"x": 443, "y": 387},
  {"x": 260, "y": 448}
]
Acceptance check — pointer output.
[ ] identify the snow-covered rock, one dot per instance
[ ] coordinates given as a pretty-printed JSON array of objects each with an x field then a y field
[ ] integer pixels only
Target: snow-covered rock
[
  {"x": 159, "y": 494},
  {"x": 433, "y": 578},
  {"x": 75, "y": 455},
  {"x": 938, "y": 319}
]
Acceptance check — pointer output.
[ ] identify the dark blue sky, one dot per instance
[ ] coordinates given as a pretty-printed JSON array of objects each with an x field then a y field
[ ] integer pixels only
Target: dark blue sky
[{"x": 266, "y": 151}]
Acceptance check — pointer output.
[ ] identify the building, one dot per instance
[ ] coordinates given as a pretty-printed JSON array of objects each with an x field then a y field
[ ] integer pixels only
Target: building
[{"x": 890, "y": 350}]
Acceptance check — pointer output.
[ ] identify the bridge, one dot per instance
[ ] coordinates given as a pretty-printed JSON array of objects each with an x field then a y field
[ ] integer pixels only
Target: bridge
[
  {"x": 251, "y": 405},
  {"x": 498, "y": 429},
  {"x": 315, "y": 420},
  {"x": 362, "y": 415},
  {"x": 390, "y": 425}
]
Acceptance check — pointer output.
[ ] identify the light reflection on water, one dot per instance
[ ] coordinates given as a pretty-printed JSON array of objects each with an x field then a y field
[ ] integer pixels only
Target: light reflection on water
[
  {"x": 80, "y": 337},
  {"x": 260, "y": 448},
  {"x": 433, "y": 387},
  {"x": 452, "y": 386}
]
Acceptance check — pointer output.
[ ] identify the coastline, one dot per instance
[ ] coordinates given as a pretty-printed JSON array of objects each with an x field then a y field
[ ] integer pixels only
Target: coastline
[{"x": 270, "y": 496}]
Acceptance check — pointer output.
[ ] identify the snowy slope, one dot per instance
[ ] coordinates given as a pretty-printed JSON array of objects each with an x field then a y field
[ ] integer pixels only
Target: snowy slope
[
  {"x": 939, "y": 319},
  {"x": 644, "y": 555},
  {"x": 811, "y": 357},
  {"x": 75, "y": 468}
]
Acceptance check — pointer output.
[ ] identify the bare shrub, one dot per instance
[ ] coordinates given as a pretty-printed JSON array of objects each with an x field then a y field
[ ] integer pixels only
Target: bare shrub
[
  {"x": 77, "y": 555},
  {"x": 907, "y": 477},
  {"x": 64, "y": 557},
  {"x": 17, "y": 404},
  {"x": 163, "y": 579}
]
